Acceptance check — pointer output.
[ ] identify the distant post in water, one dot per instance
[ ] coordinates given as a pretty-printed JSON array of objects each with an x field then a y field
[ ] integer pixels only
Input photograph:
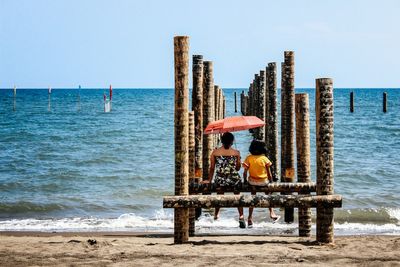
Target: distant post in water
[
  {"x": 208, "y": 94},
  {"x": 197, "y": 106},
  {"x": 385, "y": 102},
  {"x": 223, "y": 106},
  {"x": 256, "y": 103},
  {"x": 235, "y": 103},
  {"x": 49, "y": 99},
  {"x": 15, "y": 99},
  {"x": 287, "y": 126},
  {"x": 351, "y": 102},
  {"x": 303, "y": 157},
  {"x": 271, "y": 135},
  {"x": 216, "y": 102},
  {"x": 324, "y": 141},
  {"x": 181, "y": 117}
]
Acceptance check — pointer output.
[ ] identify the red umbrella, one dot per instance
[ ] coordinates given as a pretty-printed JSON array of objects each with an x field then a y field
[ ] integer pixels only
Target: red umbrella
[{"x": 233, "y": 124}]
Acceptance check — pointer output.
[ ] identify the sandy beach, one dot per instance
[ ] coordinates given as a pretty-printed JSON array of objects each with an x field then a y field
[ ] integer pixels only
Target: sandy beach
[{"x": 125, "y": 249}]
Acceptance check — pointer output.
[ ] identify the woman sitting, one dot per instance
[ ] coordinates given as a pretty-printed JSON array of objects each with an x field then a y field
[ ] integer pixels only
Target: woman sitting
[{"x": 225, "y": 161}]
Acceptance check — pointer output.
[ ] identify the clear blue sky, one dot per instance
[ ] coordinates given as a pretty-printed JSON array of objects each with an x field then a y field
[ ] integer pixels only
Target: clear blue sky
[{"x": 129, "y": 43}]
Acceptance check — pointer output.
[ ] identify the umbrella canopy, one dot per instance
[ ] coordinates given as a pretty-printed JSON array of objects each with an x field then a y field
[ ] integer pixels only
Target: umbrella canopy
[{"x": 233, "y": 124}]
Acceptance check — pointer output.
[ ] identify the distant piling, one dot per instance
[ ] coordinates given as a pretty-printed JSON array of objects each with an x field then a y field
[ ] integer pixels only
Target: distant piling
[
  {"x": 351, "y": 102},
  {"x": 384, "y": 102},
  {"x": 217, "y": 111},
  {"x": 235, "y": 103},
  {"x": 48, "y": 101},
  {"x": 181, "y": 59},
  {"x": 256, "y": 110},
  {"x": 217, "y": 105},
  {"x": 208, "y": 93},
  {"x": 324, "y": 161},
  {"x": 79, "y": 98},
  {"x": 272, "y": 120},
  {"x": 242, "y": 102},
  {"x": 197, "y": 106},
  {"x": 261, "y": 103},
  {"x": 223, "y": 106},
  {"x": 15, "y": 98},
  {"x": 303, "y": 157},
  {"x": 287, "y": 126}
]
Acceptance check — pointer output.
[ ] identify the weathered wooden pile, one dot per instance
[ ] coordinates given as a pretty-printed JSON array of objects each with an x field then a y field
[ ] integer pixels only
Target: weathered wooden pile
[{"x": 193, "y": 149}]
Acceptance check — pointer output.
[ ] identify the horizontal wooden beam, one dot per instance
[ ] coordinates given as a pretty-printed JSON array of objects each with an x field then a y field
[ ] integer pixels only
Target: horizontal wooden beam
[
  {"x": 259, "y": 201},
  {"x": 196, "y": 188}
]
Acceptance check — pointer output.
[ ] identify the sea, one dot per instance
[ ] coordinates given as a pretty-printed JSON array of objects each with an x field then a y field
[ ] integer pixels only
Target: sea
[{"x": 66, "y": 165}]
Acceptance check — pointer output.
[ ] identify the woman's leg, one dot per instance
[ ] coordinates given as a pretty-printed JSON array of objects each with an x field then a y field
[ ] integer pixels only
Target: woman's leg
[
  {"x": 250, "y": 218},
  {"x": 272, "y": 213},
  {"x": 242, "y": 223}
]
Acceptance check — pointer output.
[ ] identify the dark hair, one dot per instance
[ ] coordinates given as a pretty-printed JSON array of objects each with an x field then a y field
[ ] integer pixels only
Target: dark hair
[
  {"x": 227, "y": 140},
  {"x": 257, "y": 147}
]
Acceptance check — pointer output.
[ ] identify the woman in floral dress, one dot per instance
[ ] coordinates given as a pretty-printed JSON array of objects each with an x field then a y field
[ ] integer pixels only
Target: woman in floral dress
[{"x": 225, "y": 162}]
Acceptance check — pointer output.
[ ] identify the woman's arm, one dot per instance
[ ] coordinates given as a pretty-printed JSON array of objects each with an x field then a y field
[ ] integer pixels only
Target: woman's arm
[
  {"x": 245, "y": 176},
  {"x": 212, "y": 167},
  {"x": 238, "y": 162}
]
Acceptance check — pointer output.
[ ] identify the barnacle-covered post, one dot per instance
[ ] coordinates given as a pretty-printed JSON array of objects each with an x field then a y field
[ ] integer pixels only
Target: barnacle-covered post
[
  {"x": 197, "y": 106},
  {"x": 287, "y": 126},
  {"x": 261, "y": 103},
  {"x": 208, "y": 95},
  {"x": 324, "y": 141},
  {"x": 303, "y": 157},
  {"x": 271, "y": 135},
  {"x": 181, "y": 58}
]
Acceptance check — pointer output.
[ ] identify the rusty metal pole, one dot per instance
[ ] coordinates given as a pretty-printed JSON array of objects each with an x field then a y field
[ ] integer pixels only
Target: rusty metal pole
[
  {"x": 303, "y": 157},
  {"x": 325, "y": 164},
  {"x": 181, "y": 58},
  {"x": 287, "y": 126}
]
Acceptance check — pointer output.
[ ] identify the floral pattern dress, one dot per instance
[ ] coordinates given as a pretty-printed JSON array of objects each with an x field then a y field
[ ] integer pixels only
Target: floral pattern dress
[{"x": 225, "y": 171}]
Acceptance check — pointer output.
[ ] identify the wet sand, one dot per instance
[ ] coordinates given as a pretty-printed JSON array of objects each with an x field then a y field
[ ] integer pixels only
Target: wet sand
[{"x": 139, "y": 249}]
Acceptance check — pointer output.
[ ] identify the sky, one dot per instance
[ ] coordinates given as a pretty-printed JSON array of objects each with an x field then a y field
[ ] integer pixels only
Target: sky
[{"x": 129, "y": 44}]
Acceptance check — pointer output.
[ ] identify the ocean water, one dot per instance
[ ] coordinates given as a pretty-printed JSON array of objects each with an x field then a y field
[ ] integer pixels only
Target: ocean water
[{"x": 65, "y": 165}]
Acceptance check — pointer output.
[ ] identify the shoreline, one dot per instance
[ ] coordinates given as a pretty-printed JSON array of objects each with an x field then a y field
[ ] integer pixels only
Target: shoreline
[{"x": 150, "y": 249}]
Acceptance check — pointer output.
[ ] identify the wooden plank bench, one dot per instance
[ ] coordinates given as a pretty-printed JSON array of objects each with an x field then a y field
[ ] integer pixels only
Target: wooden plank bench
[{"x": 257, "y": 201}]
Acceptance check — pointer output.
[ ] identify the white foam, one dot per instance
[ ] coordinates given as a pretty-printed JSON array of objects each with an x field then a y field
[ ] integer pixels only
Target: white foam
[
  {"x": 126, "y": 222},
  {"x": 394, "y": 214},
  {"x": 162, "y": 221},
  {"x": 362, "y": 229}
]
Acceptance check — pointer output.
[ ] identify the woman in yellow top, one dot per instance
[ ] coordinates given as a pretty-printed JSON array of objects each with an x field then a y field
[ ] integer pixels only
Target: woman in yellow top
[{"x": 257, "y": 165}]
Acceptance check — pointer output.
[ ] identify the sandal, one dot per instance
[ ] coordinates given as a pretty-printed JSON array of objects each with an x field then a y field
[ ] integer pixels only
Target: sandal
[
  {"x": 242, "y": 223},
  {"x": 250, "y": 224},
  {"x": 276, "y": 219}
]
